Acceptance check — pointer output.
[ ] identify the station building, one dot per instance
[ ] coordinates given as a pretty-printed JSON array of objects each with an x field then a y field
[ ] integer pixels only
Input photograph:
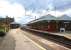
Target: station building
[
  {"x": 5, "y": 23},
  {"x": 52, "y": 24},
  {"x": 14, "y": 25}
]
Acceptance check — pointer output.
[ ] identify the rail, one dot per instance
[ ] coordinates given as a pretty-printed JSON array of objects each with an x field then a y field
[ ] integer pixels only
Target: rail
[{"x": 56, "y": 38}]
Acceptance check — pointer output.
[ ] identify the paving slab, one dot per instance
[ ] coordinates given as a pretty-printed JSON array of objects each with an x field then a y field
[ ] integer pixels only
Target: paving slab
[
  {"x": 23, "y": 42},
  {"x": 7, "y": 43}
]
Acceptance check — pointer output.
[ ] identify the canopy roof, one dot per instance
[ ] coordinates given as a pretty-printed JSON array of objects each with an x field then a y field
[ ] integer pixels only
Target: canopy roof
[
  {"x": 14, "y": 23},
  {"x": 50, "y": 17},
  {"x": 64, "y": 17}
]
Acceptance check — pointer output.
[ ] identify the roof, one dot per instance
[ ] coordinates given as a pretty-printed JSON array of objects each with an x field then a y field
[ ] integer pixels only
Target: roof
[
  {"x": 51, "y": 17},
  {"x": 64, "y": 17},
  {"x": 46, "y": 17},
  {"x": 14, "y": 23},
  {"x": 2, "y": 19},
  {"x": 6, "y": 20}
]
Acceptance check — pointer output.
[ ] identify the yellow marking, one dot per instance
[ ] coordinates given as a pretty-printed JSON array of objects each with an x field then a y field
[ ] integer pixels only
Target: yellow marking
[{"x": 35, "y": 43}]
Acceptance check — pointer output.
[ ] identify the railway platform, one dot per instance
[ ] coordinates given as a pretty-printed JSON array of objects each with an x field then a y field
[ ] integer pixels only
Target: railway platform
[
  {"x": 7, "y": 42},
  {"x": 23, "y": 42},
  {"x": 18, "y": 39}
]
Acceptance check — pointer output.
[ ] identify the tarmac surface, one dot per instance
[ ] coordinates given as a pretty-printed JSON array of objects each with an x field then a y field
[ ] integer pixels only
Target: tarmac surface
[
  {"x": 22, "y": 42},
  {"x": 7, "y": 43},
  {"x": 16, "y": 39}
]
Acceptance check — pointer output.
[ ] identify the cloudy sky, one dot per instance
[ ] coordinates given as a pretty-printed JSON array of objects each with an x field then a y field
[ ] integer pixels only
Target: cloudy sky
[{"x": 32, "y": 8}]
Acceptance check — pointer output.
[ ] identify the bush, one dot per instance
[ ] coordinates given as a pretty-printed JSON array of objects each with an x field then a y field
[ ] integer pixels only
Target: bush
[{"x": 2, "y": 34}]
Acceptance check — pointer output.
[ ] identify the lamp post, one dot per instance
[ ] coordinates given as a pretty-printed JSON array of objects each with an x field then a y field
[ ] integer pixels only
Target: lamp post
[{"x": 35, "y": 17}]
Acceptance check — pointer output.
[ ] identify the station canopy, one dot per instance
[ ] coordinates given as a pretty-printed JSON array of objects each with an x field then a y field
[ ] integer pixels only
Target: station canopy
[
  {"x": 14, "y": 23},
  {"x": 51, "y": 17},
  {"x": 46, "y": 17},
  {"x": 64, "y": 17}
]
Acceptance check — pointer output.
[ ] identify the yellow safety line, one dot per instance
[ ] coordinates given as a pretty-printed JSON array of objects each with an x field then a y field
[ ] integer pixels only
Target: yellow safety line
[{"x": 35, "y": 43}]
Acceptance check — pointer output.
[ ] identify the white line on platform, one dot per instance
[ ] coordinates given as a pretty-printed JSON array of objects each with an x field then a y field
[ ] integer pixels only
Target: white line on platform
[{"x": 42, "y": 48}]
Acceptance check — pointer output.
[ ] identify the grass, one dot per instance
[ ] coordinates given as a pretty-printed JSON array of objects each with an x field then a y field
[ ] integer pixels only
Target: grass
[{"x": 2, "y": 29}]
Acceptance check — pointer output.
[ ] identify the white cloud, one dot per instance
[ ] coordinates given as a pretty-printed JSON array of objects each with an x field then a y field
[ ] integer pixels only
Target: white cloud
[
  {"x": 44, "y": 12},
  {"x": 28, "y": 13},
  {"x": 15, "y": 9},
  {"x": 18, "y": 11},
  {"x": 68, "y": 12},
  {"x": 51, "y": 7},
  {"x": 56, "y": 13}
]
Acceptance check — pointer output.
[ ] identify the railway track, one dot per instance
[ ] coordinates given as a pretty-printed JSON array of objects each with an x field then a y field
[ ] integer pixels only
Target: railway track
[{"x": 61, "y": 40}]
